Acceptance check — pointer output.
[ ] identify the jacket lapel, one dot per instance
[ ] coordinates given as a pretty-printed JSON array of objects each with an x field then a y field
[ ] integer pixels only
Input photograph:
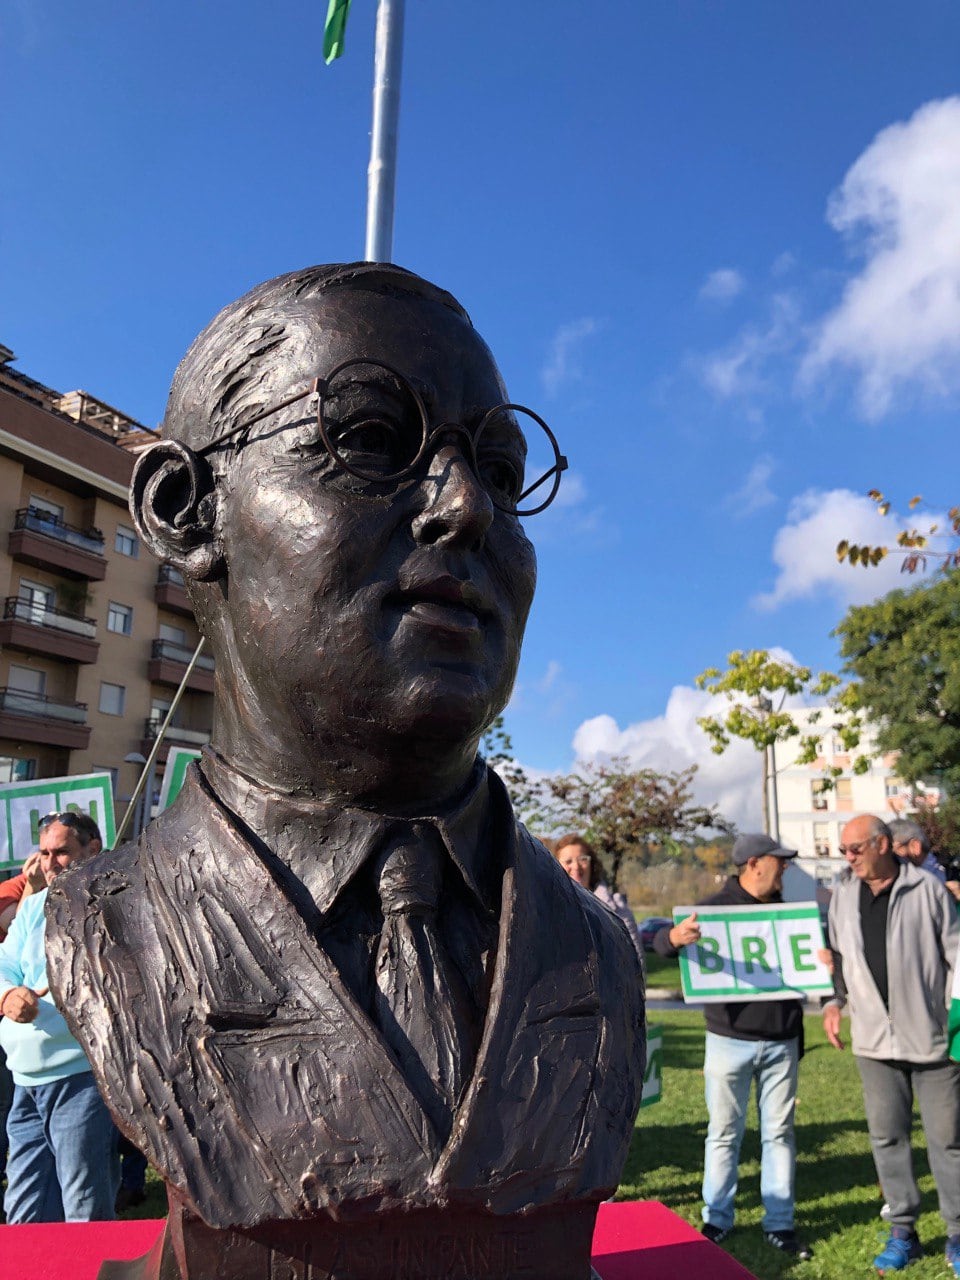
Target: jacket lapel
[
  {"x": 274, "y": 1030},
  {"x": 530, "y": 1101}
]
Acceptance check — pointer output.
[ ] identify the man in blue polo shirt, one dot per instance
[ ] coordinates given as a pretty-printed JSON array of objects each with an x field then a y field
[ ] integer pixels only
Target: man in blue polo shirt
[{"x": 62, "y": 1163}]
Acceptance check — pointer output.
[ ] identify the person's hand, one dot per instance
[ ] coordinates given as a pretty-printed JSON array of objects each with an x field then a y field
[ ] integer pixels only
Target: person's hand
[
  {"x": 954, "y": 887},
  {"x": 825, "y": 956},
  {"x": 21, "y": 1004},
  {"x": 36, "y": 880},
  {"x": 687, "y": 931},
  {"x": 831, "y": 1025}
]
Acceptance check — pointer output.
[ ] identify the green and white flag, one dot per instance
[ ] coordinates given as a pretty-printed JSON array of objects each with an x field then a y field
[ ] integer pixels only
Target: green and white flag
[
  {"x": 953, "y": 1025},
  {"x": 334, "y": 28}
]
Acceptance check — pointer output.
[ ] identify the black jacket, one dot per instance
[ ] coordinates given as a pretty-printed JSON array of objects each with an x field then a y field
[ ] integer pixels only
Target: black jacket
[{"x": 743, "y": 1019}]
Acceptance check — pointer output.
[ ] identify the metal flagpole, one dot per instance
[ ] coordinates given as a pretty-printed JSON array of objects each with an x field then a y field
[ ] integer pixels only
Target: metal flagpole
[{"x": 382, "y": 170}]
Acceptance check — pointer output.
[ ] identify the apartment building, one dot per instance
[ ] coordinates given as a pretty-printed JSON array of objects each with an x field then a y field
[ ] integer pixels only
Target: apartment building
[
  {"x": 813, "y": 810},
  {"x": 95, "y": 634}
]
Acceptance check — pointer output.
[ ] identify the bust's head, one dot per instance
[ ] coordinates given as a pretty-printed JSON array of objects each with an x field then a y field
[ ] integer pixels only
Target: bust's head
[{"x": 366, "y": 624}]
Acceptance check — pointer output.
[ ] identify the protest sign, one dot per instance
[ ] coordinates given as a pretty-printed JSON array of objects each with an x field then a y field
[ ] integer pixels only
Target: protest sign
[
  {"x": 23, "y": 804},
  {"x": 173, "y": 775},
  {"x": 653, "y": 1077},
  {"x": 766, "y": 952}
]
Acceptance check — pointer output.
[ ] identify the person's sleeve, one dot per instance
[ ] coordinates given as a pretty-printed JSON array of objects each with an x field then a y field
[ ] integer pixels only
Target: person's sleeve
[
  {"x": 662, "y": 944},
  {"x": 950, "y": 932},
  {"x": 839, "y": 996},
  {"x": 11, "y": 949},
  {"x": 630, "y": 920}
]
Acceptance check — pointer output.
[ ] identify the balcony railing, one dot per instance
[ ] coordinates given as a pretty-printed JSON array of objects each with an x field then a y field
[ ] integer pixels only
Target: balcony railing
[
  {"x": 193, "y": 737},
  {"x": 169, "y": 574},
  {"x": 171, "y": 652},
  {"x": 16, "y": 609},
  {"x": 21, "y": 702},
  {"x": 51, "y": 526}
]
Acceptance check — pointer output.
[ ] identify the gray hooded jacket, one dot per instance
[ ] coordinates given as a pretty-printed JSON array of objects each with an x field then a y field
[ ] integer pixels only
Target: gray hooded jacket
[{"x": 921, "y": 945}]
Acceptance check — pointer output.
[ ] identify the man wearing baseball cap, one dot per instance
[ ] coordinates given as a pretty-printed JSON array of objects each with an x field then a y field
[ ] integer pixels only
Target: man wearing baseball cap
[{"x": 758, "y": 1041}]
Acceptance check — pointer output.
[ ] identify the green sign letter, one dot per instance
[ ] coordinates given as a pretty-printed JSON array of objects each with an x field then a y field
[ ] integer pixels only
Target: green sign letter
[
  {"x": 707, "y": 955},
  {"x": 800, "y": 945},
  {"x": 755, "y": 949}
]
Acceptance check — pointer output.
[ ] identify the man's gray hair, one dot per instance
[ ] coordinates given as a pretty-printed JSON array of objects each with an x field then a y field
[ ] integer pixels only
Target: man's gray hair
[{"x": 903, "y": 830}]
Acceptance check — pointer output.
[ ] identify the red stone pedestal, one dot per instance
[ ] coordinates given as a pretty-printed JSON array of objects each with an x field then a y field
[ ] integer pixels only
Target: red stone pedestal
[{"x": 640, "y": 1240}]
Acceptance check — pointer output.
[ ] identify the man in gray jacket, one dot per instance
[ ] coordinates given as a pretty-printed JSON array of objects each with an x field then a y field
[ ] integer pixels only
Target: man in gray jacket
[{"x": 893, "y": 934}]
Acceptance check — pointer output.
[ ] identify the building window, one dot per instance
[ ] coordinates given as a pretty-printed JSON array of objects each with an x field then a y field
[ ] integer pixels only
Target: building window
[
  {"x": 821, "y": 839},
  {"x": 819, "y": 793},
  {"x": 112, "y": 698},
  {"x": 41, "y": 507},
  {"x": 126, "y": 542},
  {"x": 113, "y": 772},
  {"x": 119, "y": 618},
  {"x": 27, "y": 680},
  {"x": 175, "y": 635},
  {"x": 891, "y": 788},
  {"x": 37, "y": 599},
  {"x": 844, "y": 791},
  {"x": 17, "y": 769}
]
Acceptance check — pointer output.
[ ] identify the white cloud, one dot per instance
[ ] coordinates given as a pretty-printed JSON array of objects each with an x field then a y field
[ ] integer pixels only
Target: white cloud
[
  {"x": 550, "y": 676},
  {"x": 741, "y": 368},
  {"x": 722, "y": 285},
  {"x": 898, "y": 321},
  {"x": 755, "y": 492},
  {"x": 563, "y": 357},
  {"x": 674, "y": 741},
  {"x": 804, "y": 549},
  {"x": 783, "y": 264}
]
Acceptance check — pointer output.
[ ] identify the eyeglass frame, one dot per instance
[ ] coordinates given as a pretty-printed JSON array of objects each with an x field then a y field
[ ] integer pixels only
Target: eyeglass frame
[
  {"x": 318, "y": 388},
  {"x": 858, "y": 845}
]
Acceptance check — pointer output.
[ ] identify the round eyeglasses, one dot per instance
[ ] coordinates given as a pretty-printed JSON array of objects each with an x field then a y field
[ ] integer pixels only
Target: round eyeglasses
[{"x": 374, "y": 424}]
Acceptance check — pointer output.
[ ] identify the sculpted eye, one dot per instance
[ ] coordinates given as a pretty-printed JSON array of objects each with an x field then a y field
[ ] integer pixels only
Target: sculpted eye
[{"x": 501, "y": 477}]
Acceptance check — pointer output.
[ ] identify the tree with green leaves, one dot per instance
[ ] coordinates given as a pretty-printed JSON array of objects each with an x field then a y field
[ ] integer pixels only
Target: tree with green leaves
[
  {"x": 630, "y": 814},
  {"x": 526, "y": 794},
  {"x": 914, "y": 546},
  {"x": 904, "y": 653},
  {"x": 756, "y": 686}
]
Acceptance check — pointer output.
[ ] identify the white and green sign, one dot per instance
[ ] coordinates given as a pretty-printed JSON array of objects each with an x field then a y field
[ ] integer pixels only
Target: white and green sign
[
  {"x": 23, "y": 804},
  {"x": 767, "y": 952},
  {"x": 173, "y": 775},
  {"x": 653, "y": 1078}
]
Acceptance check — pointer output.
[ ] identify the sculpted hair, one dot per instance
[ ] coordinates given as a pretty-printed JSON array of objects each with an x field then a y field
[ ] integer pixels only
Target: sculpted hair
[{"x": 233, "y": 368}]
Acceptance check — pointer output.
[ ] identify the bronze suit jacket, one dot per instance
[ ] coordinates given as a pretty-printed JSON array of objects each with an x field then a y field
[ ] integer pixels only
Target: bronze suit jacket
[{"x": 231, "y": 1052}]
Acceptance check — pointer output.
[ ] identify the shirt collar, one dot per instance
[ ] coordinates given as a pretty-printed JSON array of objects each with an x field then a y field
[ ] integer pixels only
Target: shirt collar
[{"x": 324, "y": 846}]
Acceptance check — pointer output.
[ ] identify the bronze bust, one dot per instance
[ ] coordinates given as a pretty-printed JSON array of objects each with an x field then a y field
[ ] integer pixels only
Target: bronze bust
[{"x": 360, "y": 1020}]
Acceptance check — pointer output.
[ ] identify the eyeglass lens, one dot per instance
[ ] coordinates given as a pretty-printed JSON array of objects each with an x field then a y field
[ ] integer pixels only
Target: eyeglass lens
[{"x": 376, "y": 426}]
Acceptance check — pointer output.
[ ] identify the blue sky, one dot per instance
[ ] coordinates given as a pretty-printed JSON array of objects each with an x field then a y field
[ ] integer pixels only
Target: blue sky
[{"x": 715, "y": 244}]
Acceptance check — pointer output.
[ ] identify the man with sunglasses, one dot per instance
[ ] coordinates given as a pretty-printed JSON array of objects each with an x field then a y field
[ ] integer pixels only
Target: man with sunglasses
[
  {"x": 356, "y": 984},
  {"x": 62, "y": 1163},
  {"x": 893, "y": 934}
]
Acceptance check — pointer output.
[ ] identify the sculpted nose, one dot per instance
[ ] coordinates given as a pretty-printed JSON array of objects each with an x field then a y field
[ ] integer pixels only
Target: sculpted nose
[{"x": 455, "y": 507}]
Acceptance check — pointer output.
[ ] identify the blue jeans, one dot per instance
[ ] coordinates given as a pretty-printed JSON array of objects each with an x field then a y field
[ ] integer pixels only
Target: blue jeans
[
  {"x": 63, "y": 1163},
  {"x": 729, "y": 1068}
]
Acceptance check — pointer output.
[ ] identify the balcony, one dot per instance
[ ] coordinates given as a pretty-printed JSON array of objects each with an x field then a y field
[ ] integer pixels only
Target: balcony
[
  {"x": 36, "y": 628},
  {"x": 168, "y": 662},
  {"x": 43, "y": 540},
  {"x": 176, "y": 736},
  {"x": 170, "y": 592},
  {"x": 31, "y": 717}
]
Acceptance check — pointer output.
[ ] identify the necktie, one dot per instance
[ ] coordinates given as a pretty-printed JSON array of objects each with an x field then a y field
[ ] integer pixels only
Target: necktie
[{"x": 420, "y": 1001}]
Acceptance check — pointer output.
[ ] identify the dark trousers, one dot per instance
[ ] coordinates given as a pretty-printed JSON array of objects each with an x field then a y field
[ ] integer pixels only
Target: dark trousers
[{"x": 888, "y": 1092}]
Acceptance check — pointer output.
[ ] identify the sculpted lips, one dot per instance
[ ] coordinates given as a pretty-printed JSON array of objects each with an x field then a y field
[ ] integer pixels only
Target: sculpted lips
[{"x": 442, "y": 601}]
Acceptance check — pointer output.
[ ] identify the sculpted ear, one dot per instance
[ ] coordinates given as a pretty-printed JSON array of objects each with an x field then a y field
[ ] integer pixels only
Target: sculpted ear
[{"x": 173, "y": 501}]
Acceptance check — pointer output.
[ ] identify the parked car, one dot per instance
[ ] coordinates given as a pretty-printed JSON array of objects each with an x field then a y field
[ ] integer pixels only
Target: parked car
[{"x": 651, "y": 926}]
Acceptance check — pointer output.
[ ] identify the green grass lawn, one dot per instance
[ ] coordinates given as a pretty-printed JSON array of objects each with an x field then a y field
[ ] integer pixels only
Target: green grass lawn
[
  {"x": 662, "y": 973},
  {"x": 838, "y": 1200}
]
